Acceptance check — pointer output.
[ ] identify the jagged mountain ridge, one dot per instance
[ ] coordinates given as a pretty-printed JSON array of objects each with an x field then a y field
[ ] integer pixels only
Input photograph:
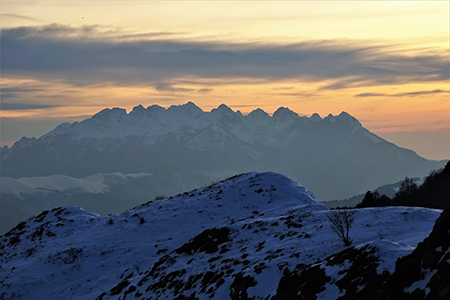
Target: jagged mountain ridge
[
  {"x": 336, "y": 149},
  {"x": 256, "y": 127},
  {"x": 245, "y": 236}
]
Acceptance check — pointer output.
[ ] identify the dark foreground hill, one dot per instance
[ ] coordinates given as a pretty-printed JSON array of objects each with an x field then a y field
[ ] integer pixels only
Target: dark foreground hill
[{"x": 253, "y": 236}]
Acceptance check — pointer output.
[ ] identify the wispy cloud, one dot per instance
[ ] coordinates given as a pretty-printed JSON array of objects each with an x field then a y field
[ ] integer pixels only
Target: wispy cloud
[
  {"x": 85, "y": 33},
  {"x": 283, "y": 88},
  {"x": 408, "y": 94},
  {"x": 23, "y": 106},
  {"x": 370, "y": 95},
  {"x": 412, "y": 94},
  {"x": 21, "y": 17},
  {"x": 165, "y": 87},
  {"x": 85, "y": 55},
  {"x": 204, "y": 91}
]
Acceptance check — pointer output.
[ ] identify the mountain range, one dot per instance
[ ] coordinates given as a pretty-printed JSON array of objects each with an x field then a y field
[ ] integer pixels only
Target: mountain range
[
  {"x": 336, "y": 150},
  {"x": 94, "y": 163},
  {"x": 257, "y": 235}
]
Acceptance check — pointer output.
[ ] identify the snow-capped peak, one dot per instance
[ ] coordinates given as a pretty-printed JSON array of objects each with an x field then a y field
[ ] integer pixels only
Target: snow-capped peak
[
  {"x": 110, "y": 114},
  {"x": 347, "y": 119},
  {"x": 154, "y": 121},
  {"x": 154, "y": 109},
  {"x": 138, "y": 109},
  {"x": 284, "y": 113},
  {"x": 344, "y": 116},
  {"x": 258, "y": 114},
  {"x": 222, "y": 109},
  {"x": 24, "y": 142},
  {"x": 188, "y": 108},
  {"x": 315, "y": 117}
]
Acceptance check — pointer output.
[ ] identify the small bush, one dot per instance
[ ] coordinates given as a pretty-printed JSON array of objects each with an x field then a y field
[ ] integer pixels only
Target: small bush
[{"x": 341, "y": 221}]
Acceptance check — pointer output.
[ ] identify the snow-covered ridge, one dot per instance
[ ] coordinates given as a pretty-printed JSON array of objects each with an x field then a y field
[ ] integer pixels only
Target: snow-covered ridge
[
  {"x": 155, "y": 121},
  {"x": 258, "y": 225},
  {"x": 166, "y": 225}
]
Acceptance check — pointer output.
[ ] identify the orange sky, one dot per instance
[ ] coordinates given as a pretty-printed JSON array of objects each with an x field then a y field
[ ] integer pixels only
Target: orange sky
[{"x": 384, "y": 62}]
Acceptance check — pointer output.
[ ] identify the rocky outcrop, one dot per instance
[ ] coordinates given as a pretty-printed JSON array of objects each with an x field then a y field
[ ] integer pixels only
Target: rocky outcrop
[{"x": 425, "y": 273}]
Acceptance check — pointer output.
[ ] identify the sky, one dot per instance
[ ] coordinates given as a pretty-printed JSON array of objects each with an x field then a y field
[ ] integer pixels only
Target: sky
[{"x": 384, "y": 62}]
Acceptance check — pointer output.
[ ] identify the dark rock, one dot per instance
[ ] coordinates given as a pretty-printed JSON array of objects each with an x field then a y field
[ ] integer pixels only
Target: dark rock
[{"x": 207, "y": 241}]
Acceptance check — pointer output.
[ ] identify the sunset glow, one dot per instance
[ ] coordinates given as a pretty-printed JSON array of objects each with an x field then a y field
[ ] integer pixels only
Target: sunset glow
[{"x": 383, "y": 62}]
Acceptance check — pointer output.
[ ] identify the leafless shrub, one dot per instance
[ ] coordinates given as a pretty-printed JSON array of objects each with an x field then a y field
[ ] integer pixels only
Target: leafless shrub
[{"x": 341, "y": 221}]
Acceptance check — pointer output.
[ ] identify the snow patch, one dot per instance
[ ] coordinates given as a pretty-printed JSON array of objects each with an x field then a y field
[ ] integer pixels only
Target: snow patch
[
  {"x": 331, "y": 292},
  {"x": 421, "y": 284},
  {"x": 388, "y": 252}
]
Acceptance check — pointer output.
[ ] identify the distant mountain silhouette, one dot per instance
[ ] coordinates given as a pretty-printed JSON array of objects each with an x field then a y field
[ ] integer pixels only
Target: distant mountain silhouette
[{"x": 334, "y": 157}]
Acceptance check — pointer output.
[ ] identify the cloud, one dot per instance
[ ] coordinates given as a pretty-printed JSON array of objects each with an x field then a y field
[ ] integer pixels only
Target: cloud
[
  {"x": 204, "y": 91},
  {"x": 412, "y": 94},
  {"x": 298, "y": 94},
  {"x": 94, "y": 54},
  {"x": 283, "y": 88},
  {"x": 165, "y": 87},
  {"x": 83, "y": 33},
  {"x": 370, "y": 95},
  {"x": 409, "y": 94},
  {"x": 15, "y": 93},
  {"x": 23, "y": 106},
  {"x": 22, "y": 17}
]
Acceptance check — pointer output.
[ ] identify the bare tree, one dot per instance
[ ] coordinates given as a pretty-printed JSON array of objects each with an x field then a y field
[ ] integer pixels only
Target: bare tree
[{"x": 341, "y": 221}]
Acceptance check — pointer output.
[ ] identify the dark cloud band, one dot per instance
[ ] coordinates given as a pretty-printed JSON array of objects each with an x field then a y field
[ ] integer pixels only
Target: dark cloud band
[
  {"x": 409, "y": 94},
  {"x": 79, "y": 56},
  {"x": 23, "y": 106}
]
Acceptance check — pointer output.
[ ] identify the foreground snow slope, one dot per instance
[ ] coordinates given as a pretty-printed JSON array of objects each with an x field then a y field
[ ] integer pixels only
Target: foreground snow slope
[
  {"x": 239, "y": 236},
  {"x": 104, "y": 193}
]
